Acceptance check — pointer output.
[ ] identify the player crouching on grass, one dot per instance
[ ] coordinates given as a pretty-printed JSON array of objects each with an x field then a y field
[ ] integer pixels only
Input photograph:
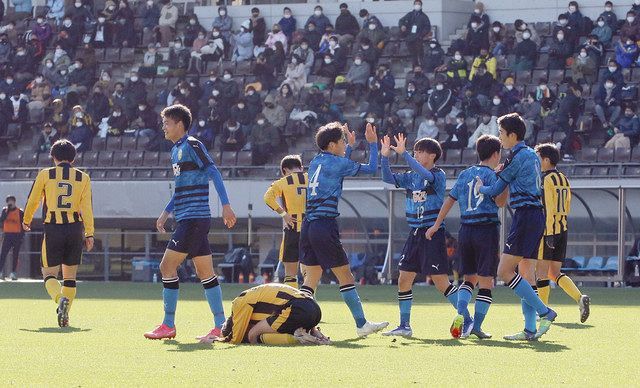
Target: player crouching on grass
[
  {"x": 67, "y": 208},
  {"x": 283, "y": 315},
  {"x": 478, "y": 239}
]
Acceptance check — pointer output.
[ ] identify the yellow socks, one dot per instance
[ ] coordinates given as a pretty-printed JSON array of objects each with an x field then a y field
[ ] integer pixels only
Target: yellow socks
[
  {"x": 544, "y": 290},
  {"x": 53, "y": 287},
  {"x": 569, "y": 287},
  {"x": 69, "y": 290},
  {"x": 277, "y": 339}
]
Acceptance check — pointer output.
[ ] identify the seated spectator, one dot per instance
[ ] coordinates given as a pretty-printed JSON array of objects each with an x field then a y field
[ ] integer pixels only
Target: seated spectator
[
  {"x": 59, "y": 116},
  {"x": 498, "y": 107},
  {"x": 543, "y": 91},
  {"x": 328, "y": 68},
  {"x": 482, "y": 84},
  {"x": 40, "y": 97},
  {"x": 526, "y": 53},
  {"x": 274, "y": 113},
  {"x": 626, "y": 132},
  {"x": 117, "y": 122},
  {"x": 318, "y": 19},
  {"x": 347, "y": 26},
  {"x": 569, "y": 109},
  {"x": 477, "y": 37},
  {"x": 630, "y": 27},
  {"x": 80, "y": 79},
  {"x": 609, "y": 17},
  {"x": 285, "y": 98},
  {"x": 223, "y": 23},
  {"x": 338, "y": 53},
  {"x": 584, "y": 67},
  {"x": 264, "y": 72},
  {"x": 323, "y": 46},
  {"x": 295, "y": 75},
  {"x": 276, "y": 35},
  {"x": 457, "y": 70},
  {"x": 498, "y": 41},
  {"x": 375, "y": 34},
  {"x": 195, "y": 65},
  {"x": 55, "y": 10},
  {"x": 529, "y": 110},
  {"x": 203, "y": 131},
  {"x": 313, "y": 36},
  {"x": 595, "y": 49},
  {"x": 79, "y": 115},
  {"x": 433, "y": 56},
  {"x": 103, "y": 33},
  {"x": 59, "y": 58},
  {"x": 428, "y": 128},
  {"x": 522, "y": 27},
  {"x": 136, "y": 93},
  {"x": 81, "y": 135},
  {"x": 254, "y": 102},
  {"x": 608, "y": 100},
  {"x": 603, "y": 31},
  {"x": 229, "y": 89},
  {"x": 368, "y": 53},
  {"x": 490, "y": 62},
  {"x": 46, "y": 138},
  {"x": 559, "y": 50},
  {"x": 18, "y": 111},
  {"x": 410, "y": 104},
  {"x": 9, "y": 85},
  {"x": 23, "y": 65},
  {"x": 214, "y": 50},
  {"x": 306, "y": 56},
  {"x": 146, "y": 121},
  {"x": 110, "y": 10},
  {"x": 119, "y": 98},
  {"x": 393, "y": 127},
  {"x": 470, "y": 105},
  {"x": 152, "y": 58},
  {"x": 367, "y": 18},
  {"x": 357, "y": 77},
  {"x": 264, "y": 139},
  {"x": 150, "y": 15},
  {"x": 614, "y": 71},
  {"x": 185, "y": 95},
  {"x": 244, "y": 43},
  {"x": 232, "y": 138},
  {"x": 106, "y": 84},
  {"x": 575, "y": 19},
  {"x": 509, "y": 94},
  {"x": 288, "y": 24},
  {"x": 241, "y": 114},
  {"x": 179, "y": 57},
  {"x": 88, "y": 56},
  {"x": 5, "y": 50},
  {"x": 60, "y": 84},
  {"x": 420, "y": 80},
  {"x": 43, "y": 30},
  {"x": 125, "y": 33},
  {"x": 570, "y": 33},
  {"x": 167, "y": 22},
  {"x": 440, "y": 101},
  {"x": 36, "y": 50},
  {"x": 488, "y": 126},
  {"x": 192, "y": 30},
  {"x": 314, "y": 99},
  {"x": 626, "y": 51},
  {"x": 457, "y": 134},
  {"x": 98, "y": 105}
]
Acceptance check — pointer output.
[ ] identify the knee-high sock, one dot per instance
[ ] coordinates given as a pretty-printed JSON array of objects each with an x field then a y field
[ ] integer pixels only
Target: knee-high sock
[
  {"x": 277, "y": 339},
  {"x": 53, "y": 287},
  {"x": 451, "y": 293},
  {"x": 523, "y": 289},
  {"x": 543, "y": 290},
  {"x": 569, "y": 287},
  {"x": 464, "y": 296},
  {"x": 483, "y": 302},
  {"x": 352, "y": 299},
  {"x": 213, "y": 293},
  {"x": 170, "y": 299},
  {"x": 307, "y": 290},
  {"x": 69, "y": 290},
  {"x": 291, "y": 281},
  {"x": 529, "y": 314},
  {"x": 405, "y": 299}
]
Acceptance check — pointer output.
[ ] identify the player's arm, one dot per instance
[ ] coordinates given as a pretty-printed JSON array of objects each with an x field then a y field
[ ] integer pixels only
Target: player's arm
[
  {"x": 387, "y": 175},
  {"x": 270, "y": 198},
  {"x": 86, "y": 209},
  {"x": 372, "y": 139},
  {"x": 502, "y": 198},
  {"x": 351, "y": 140},
  {"x": 401, "y": 149},
  {"x": 549, "y": 199},
  {"x": 568, "y": 209},
  {"x": 33, "y": 202},
  {"x": 444, "y": 210},
  {"x": 4, "y": 214},
  {"x": 497, "y": 188}
]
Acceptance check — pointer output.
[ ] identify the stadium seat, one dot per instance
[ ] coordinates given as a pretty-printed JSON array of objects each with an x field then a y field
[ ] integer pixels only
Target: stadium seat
[
  {"x": 99, "y": 52},
  {"x": 450, "y": 172},
  {"x": 216, "y": 156},
  {"x": 135, "y": 158},
  {"x": 90, "y": 159},
  {"x": 120, "y": 158},
  {"x": 580, "y": 261},
  {"x": 594, "y": 264},
  {"x": 635, "y": 154},
  {"x": 112, "y": 55},
  {"x": 359, "y": 156},
  {"x": 633, "y": 171},
  {"x": 229, "y": 158},
  {"x": 543, "y": 61},
  {"x": 556, "y": 76},
  {"x": 523, "y": 77},
  {"x": 150, "y": 159},
  {"x": 453, "y": 156},
  {"x": 601, "y": 171},
  {"x": 160, "y": 174},
  {"x": 105, "y": 158},
  {"x": 23, "y": 174},
  {"x": 143, "y": 174},
  {"x": 339, "y": 96},
  {"x": 622, "y": 155},
  {"x": 612, "y": 264},
  {"x": 113, "y": 175},
  {"x": 142, "y": 143},
  {"x": 582, "y": 170},
  {"x": 14, "y": 159},
  {"x": 587, "y": 154},
  {"x": 127, "y": 55},
  {"x": 605, "y": 155},
  {"x": 28, "y": 159},
  {"x": 6, "y": 175},
  {"x": 129, "y": 143},
  {"x": 126, "y": 175},
  {"x": 544, "y": 136},
  {"x": 114, "y": 143},
  {"x": 99, "y": 144},
  {"x": 44, "y": 160},
  {"x": 308, "y": 155},
  {"x": 469, "y": 156},
  {"x": 164, "y": 159},
  {"x": 244, "y": 158}
]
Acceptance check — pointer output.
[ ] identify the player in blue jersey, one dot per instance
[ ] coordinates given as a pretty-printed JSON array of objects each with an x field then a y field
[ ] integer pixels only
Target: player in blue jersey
[
  {"x": 478, "y": 238},
  {"x": 425, "y": 186},
  {"x": 522, "y": 174},
  {"x": 320, "y": 246},
  {"x": 192, "y": 168}
]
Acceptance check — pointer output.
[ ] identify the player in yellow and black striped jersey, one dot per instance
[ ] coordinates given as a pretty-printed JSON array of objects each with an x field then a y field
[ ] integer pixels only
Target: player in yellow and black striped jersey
[
  {"x": 271, "y": 314},
  {"x": 556, "y": 198},
  {"x": 290, "y": 190},
  {"x": 67, "y": 213}
]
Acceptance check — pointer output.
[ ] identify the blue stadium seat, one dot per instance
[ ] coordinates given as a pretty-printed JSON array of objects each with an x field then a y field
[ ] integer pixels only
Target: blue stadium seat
[
  {"x": 595, "y": 264},
  {"x": 580, "y": 261},
  {"x": 612, "y": 264}
]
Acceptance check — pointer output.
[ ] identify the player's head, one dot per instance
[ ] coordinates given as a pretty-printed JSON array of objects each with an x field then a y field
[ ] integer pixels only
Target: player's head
[
  {"x": 63, "y": 151},
  {"x": 427, "y": 151},
  {"x": 330, "y": 138},
  {"x": 11, "y": 201},
  {"x": 488, "y": 149},
  {"x": 291, "y": 163},
  {"x": 176, "y": 121},
  {"x": 512, "y": 129},
  {"x": 549, "y": 155}
]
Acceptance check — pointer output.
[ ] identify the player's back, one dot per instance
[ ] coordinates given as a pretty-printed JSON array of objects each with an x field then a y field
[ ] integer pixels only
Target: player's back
[
  {"x": 190, "y": 161},
  {"x": 475, "y": 208},
  {"x": 557, "y": 201},
  {"x": 523, "y": 174},
  {"x": 292, "y": 189},
  {"x": 326, "y": 174}
]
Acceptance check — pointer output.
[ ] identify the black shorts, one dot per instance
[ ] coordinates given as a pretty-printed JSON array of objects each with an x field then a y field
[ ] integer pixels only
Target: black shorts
[
  {"x": 300, "y": 312},
  {"x": 191, "y": 237},
  {"x": 527, "y": 228},
  {"x": 62, "y": 244},
  {"x": 428, "y": 257},
  {"x": 320, "y": 244},
  {"x": 553, "y": 247},
  {"x": 479, "y": 248},
  {"x": 290, "y": 247}
]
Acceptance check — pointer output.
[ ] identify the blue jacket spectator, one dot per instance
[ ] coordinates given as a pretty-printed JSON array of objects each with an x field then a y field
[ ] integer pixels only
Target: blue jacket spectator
[
  {"x": 319, "y": 19},
  {"x": 612, "y": 71},
  {"x": 244, "y": 44},
  {"x": 223, "y": 22},
  {"x": 288, "y": 24},
  {"x": 150, "y": 15},
  {"x": 22, "y": 5},
  {"x": 56, "y": 10},
  {"x": 82, "y": 137},
  {"x": 626, "y": 53}
]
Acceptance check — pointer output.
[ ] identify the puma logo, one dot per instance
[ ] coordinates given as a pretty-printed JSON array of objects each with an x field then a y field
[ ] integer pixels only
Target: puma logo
[
  {"x": 508, "y": 246},
  {"x": 174, "y": 242},
  {"x": 435, "y": 266}
]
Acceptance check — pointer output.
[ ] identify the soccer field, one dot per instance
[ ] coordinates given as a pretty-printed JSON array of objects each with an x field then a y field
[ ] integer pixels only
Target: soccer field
[{"x": 104, "y": 343}]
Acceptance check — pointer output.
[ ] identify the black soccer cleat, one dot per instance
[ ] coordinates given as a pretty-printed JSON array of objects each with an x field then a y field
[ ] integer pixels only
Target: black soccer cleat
[{"x": 63, "y": 312}]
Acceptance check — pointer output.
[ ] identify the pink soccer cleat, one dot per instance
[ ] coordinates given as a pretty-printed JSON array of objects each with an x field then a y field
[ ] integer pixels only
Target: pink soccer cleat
[
  {"x": 213, "y": 335},
  {"x": 161, "y": 332}
]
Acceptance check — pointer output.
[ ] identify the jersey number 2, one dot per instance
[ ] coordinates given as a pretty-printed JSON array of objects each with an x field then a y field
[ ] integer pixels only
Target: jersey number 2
[
  {"x": 313, "y": 183},
  {"x": 62, "y": 197}
]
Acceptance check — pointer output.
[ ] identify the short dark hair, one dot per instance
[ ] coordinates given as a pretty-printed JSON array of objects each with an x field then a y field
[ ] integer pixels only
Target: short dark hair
[
  {"x": 363, "y": 12},
  {"x": 430, "y": 146},
  {"x": 550, "y": 151},
  {"x": 290, "y": 162},
  {"x": 63, "y": 151},
  {"x": 10, "y": 197},
  {"x": 328, "y": 133},
  {"x": 178, "y": 113},
  {"x": 513, "y": 123},
  {"x": 486, "y": 146}
]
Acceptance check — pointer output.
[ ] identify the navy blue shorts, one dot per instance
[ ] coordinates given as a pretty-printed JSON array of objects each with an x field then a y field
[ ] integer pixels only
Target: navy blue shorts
[
  {"x": 479, "y": 249},
  {"x": 527, "y": 228},
  {"x": 428, "y": 257},
  {"x": 191, "y": 237},
  {"x": 320, "y": 244}
]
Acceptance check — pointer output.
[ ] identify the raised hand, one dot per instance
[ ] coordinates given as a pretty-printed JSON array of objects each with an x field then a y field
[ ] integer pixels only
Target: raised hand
[
  {"x": 401, "y": 144},
  {"x": 370, "y": 133},
  {"x": 385, "y": 150},
  {"x": 350, "y": 135}
]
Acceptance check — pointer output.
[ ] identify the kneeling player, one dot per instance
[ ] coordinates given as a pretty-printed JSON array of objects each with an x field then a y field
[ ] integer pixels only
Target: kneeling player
[
  {"x": 553, "y": 247},
  {"x": 478, "y": 239},
  {"x": 274, "y": 314}
]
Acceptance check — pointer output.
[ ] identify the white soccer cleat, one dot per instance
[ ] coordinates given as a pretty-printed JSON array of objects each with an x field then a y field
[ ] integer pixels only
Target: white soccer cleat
[
  {"x": 400, "y": 331},
  {"x": 13, "y": 276},
  {"x": 370, "y": 328}
]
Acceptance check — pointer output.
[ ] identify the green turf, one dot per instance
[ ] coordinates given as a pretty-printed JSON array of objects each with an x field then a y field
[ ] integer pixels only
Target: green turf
[{"x": 104, "y": 345}]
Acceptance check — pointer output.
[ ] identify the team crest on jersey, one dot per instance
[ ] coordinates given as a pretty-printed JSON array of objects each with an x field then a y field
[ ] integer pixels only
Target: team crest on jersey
[
  {"x": 419, "y": 196},
  {"x": 180, "y": 154}
]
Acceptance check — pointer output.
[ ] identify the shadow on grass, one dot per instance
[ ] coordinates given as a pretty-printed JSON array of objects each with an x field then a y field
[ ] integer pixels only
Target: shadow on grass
[
  {"x": 538, "y": 346},
  {"x": 189, "y": 346},
  {"x": 351, "y": 343},
  {"x": 57, "y": 330},
  {"x": 573, "y": 325}
]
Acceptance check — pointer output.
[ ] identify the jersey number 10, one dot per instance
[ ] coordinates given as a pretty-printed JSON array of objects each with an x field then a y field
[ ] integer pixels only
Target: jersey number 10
[{"x": 562, "y": 199}]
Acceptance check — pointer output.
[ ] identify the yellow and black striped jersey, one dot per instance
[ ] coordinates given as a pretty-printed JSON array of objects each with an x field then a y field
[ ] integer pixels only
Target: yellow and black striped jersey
[
  {"x": 66, "y": 195},
  {"x": 557, "y": 201},
  {"x": 291, "y": 190},
  {"x": 258, "y": 303}
]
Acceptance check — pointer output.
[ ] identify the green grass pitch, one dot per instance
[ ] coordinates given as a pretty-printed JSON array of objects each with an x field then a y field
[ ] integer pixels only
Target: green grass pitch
[{"x": 104, "y": 344}]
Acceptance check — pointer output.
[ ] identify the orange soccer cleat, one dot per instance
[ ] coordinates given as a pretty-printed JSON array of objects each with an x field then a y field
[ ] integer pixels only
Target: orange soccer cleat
[
  {"x": 161, "y": 332},
  {"x": 213, "y": 335}
]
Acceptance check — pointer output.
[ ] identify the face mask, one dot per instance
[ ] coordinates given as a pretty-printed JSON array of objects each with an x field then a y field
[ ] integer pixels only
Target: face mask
[
  {"x": 496, "y": 101},
  {"x": 216, "y": 34},
  {"x": 116, "y": 114},
  {"x": 63, "y": 72},
  {"x": 134, "y": 79},
  {"x": 2, "y": 96},
  {"x": 457, "y": 57},
  {"x": 572, "y": 9},
  {"x": 601, "y": 23},
  {"x": 227, "y": 76},
  {"x": 294, "y": 61},
  {"x": 112, "y": 8},
  {"x": 241, "y": 106},
  {"x": 304, "y": 47},
  {"x": 317, "y": 12},
  {"x": 526, "y": 35},
  {"x": 417, "y": 7},
  {"x": 477, "y": 11},
  {"x": 78, "y": 5},
  {"x": 372, "y": 26},
  {"x": 333, "y": 43},
  {"x": 183, "y": 91},
  {"x": 370, "y": 120},
  {"x": 178, "y": 45},
  {"x": 509, "y": 87},
  {"x": 560, "y": 36},
  {"x": 201, "y": 123},
  {"x": 260, "y": 122},
  {"x": 431, "y": 122},
  {"x": 496, "y": 29},
  {"x": 613, "y": 69},
  {"x": 629, "y": 42},
  {"x": 79, "y": 124},
  {"x": 215, "y": 93},
  {"x": 358, "y": 62},
  {"x": 562, "y": 22},
  {"x": 287, "y": 15},
  {"x": 250, "y": 93},
  {"x": 39, "y": 80},
  {"x": 439, "y": 87},
  {"x": 101, "y": 20},
  {"x": 79, "y": 115},
  {"x": 200, "y": 37},
  {"x": 608, "y": 85},
  {"x": 222, "y": 13},
  {"x": 474, "y": 25},
  {"x": 142, "y": 107},
  {"x": 150, "y": 3},
  {"x": 365, "y": 47},
  {"x": 630, "y": 19},
  {"x": 40, "y": 21},
  {"x": 192, "y": 22},
  {"x": 9, "y": 81},
  {"x": 583, "y": 54},
  {"x": 67, "y": 23},
  {"x": 232, "y": 129},
  {"x": 628, "y": 114},
  {"x": 327, "y": 61},
  {"x": 432, "y": 45}
]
